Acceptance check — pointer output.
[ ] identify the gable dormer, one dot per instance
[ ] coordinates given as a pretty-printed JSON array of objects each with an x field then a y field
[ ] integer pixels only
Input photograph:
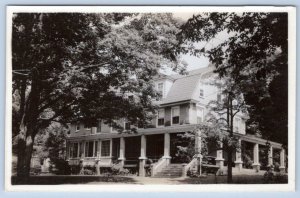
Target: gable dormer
[{"x": 163, "y": 84}]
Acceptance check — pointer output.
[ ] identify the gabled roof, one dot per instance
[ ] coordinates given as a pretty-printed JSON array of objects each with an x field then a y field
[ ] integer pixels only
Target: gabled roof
[{"x": 185, "y": 85}]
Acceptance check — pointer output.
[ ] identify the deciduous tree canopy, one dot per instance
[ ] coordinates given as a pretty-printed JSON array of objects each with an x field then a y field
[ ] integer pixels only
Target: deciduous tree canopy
[{"x": 251, "y": 49}]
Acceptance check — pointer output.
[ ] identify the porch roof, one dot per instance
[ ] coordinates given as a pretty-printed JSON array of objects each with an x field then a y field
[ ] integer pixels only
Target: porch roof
[
  {"x": 171, "y": 129},
  {"x": 149, "y": 131}
]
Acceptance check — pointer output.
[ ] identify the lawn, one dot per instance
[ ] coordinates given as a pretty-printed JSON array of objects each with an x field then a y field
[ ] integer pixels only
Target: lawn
[{"x": 210, "y": 179}]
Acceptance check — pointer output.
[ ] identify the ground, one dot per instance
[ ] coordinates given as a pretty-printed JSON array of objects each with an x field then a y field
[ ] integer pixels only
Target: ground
[{"x": 210, "y": 179}]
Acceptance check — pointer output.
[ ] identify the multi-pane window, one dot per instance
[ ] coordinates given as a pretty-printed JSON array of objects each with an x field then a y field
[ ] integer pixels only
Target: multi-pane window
[
  {"x": 89, "y": 149},
  {"x": 99, "y": 126},
  {"x": 201, "y": 93},
  {"x": 161, "y": 117},
  {"x": 96, "y": 148},
  {"x": 105, "y": 148},
  {"x": 237, "y": 124},
  {"x": 175, "y": 115},
  {"x": 73, "y": 152},
  {"x": 200, "y": 115},
  {"x": 160, "y": 90}
]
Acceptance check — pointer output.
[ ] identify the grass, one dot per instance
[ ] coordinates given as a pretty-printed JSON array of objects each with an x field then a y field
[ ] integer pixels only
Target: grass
[{"x": 210, "y": 179}]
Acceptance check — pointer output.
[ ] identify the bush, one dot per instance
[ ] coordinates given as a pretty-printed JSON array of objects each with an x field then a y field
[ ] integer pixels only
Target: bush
[{"x": 61, "y": 167}]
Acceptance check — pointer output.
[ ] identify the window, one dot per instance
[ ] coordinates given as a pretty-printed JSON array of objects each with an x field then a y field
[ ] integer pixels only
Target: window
[
  {"x": 160, "y": 90},
  {"x": 175, "y": 115},
  {"x": 161, "y": 117},
  {"x": 237, "y": 124},
  {"x": 89, "y": 149},
  {"x": 105, "y": 148},
  {"x": 200, "y": 115},
  {"x": 74, "y": 150},
  {"x": 219, "y": 98},
  {"x": 99, "y": 126},
  {"x": 201, "y": 93},
  {"x": 96, "y": 149},
  {"x": 127, "y": 125},
  {"x": 77, "y": 127}
]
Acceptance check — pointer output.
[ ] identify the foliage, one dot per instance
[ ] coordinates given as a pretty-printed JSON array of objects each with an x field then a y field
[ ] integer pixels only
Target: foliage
[
  {"x": 80, "y": 66},
  {"x": 253, "y": 53}
]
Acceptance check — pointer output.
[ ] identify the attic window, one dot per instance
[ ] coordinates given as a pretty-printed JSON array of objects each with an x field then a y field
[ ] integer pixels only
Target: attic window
[
  {"x": 201, "y": 93},
  {"x": 160, "y": 90}
]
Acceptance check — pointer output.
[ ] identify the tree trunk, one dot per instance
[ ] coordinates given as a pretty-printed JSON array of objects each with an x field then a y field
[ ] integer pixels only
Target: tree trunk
[
  {"x": 229, "y": 166},
  {"x": 28, "y": 128}
]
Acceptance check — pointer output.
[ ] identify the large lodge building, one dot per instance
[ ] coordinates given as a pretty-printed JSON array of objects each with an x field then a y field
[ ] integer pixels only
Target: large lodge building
[{"x": 183, "y": 106}]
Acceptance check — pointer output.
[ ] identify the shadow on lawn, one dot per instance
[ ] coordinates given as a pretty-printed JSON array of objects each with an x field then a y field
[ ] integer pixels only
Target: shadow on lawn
[
  {"x": 56, "y": 180},
  {"x": 238, "y": 179}
]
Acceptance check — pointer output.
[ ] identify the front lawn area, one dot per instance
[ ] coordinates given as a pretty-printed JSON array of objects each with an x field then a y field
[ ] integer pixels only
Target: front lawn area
[{"x": 210, "y": 179}]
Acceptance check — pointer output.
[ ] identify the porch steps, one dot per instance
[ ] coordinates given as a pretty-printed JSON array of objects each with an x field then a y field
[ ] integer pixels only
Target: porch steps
[{"x": 170, "y": 171}]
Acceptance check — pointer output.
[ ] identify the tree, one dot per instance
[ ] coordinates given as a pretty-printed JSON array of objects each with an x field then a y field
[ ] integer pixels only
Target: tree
[
  {"x": 252, "y": 52},
  {"x": 75, "y": 66}
]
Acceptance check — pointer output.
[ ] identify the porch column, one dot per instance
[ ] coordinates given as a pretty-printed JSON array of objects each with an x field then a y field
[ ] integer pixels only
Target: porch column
[
  {"x": 220, "y": 159},
  {"x": 282, "y": 160},
  {"x": 270, "y": 156},
  {"x": 256, "y": 164},
  {"x": 198, "y": 146},
  {"x": 122, "y": 151},
  {"x": 143, "y": 157},
  {"x": 238, "y": 156},
  {"x": 167, "y": 156}
]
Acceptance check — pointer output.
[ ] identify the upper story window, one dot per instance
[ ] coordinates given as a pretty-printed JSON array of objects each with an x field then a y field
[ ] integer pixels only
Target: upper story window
[
  {"x": 105, "y": 148},
  {"x": 237, "y": 124},
  {"x": 160, "y": 90},
  {"x": 161, "y": 117},
  {"x": 127, "y": 126},
  {"x": 175, "y": 115},
  {"x": 99, "y": 126},
  {"x": 200, "y": 115},
  {"x": 201, "y": 95},
  {"x": 77, "y": 127}
]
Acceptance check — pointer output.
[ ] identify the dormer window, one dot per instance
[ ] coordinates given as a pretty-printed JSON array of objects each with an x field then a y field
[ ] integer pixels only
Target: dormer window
[
  {"x": 201, "y": 93},
  {"x": 175, "y": 115},
  {"x": 160, "y": 90},
  {"x": 161, "y": 117}
]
